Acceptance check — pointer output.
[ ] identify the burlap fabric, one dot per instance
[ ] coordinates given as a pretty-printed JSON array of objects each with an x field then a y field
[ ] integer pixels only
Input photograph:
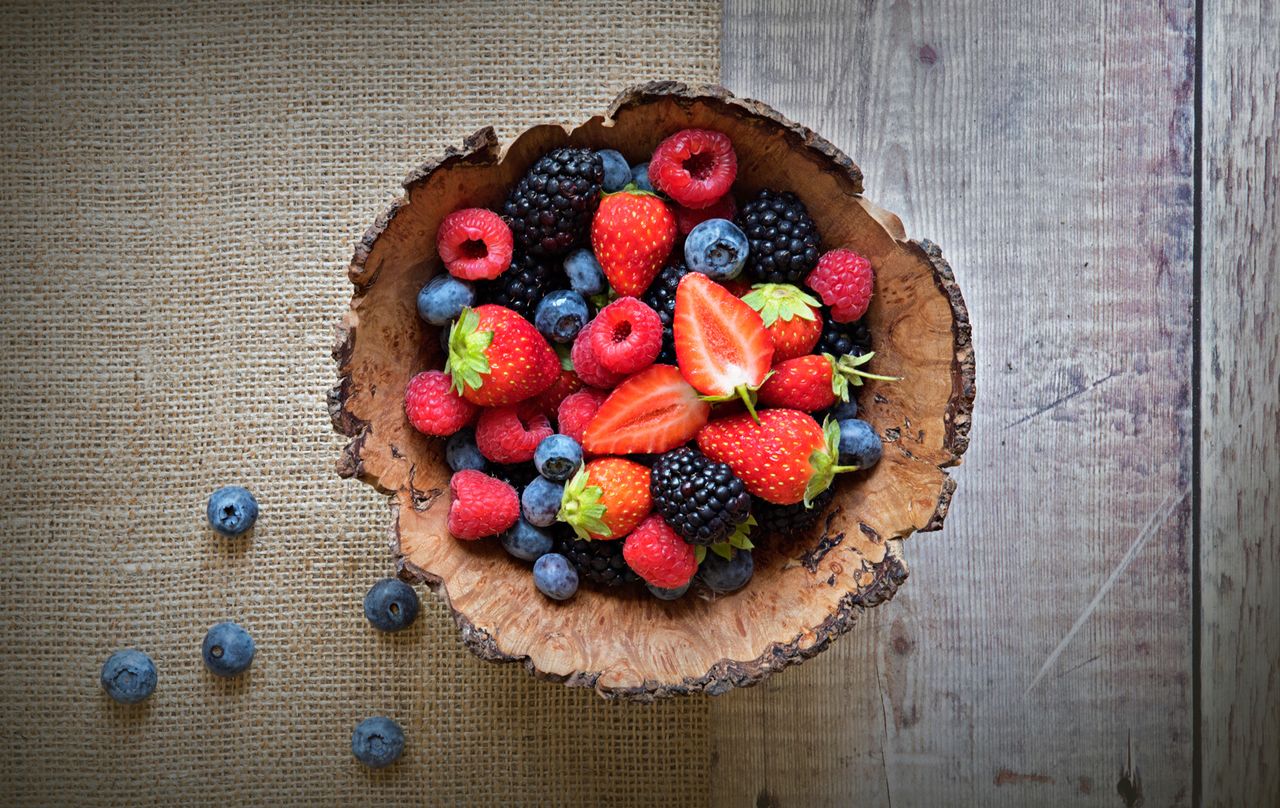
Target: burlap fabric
[{"x": 182, "y": 187}]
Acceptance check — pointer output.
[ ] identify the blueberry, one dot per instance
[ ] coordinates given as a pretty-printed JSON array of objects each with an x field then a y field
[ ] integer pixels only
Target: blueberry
[
  {"x": 727, "y": 575},
  {"x": 585, "y": 275},
  {"x": 844, "y": 410},
  {"x": 616, "y": 171},
  {"x": 540, "y": 501},
  {"x": 390, "y": 605},
  {"x": 461, "y": 453},
  {"x": 561, "y": 315},
  {"x": 667, "y": 594},
  {"x": 525, "y": 541},
  {"x": 717, "y": 248},
  {"x": 640, "y": 176},
  {"x": 557, "y": 457},
  {"x": 232, "y": 510},
  {"x": 859, "y": 444},
  {"x": 228, "y": 649},
  {"x": 555, "y": 577},
  {"x": 128, "y": 676},
  {"x": 443, "y": 298},
  {"x": 377, "y": 742}
]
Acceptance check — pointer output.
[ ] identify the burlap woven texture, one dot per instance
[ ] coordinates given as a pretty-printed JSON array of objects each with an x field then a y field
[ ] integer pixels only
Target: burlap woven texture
[{"x": 182, "y": 187}]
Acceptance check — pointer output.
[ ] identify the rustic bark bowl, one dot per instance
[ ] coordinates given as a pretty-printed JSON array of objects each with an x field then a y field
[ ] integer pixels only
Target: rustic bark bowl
[{"x": 807, "y": 589}]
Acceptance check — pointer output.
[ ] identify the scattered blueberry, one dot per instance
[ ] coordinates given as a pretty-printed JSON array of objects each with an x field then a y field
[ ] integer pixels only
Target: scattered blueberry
[
  {"x": 557, "y": 457},
  {"x": 616, "y": 171},
  {"x": 555, "y": 577},
  {"x": 232, "y": 510},
  {"x": 727, "y": 575},
  {"x": 540, "y": 501},
  {"x": 461, "y": 453},
  {"x": 377, "y": 742},
  {"x": 390, "y": 605},
  {"x": 561, "y": 315},
  {"x": 640, "y": 176},
  {"x": 128, "y": 676},
  {"x": 585, "y": 275},
  {"x": 443, "y": 298},
  {"x": 859, "y": 444},
  {"x": 228, "y": 649},
  {"x": 844, "y": 410},
  {"x": 717, "y": 248},
  {"x": 667, "y": 594},
  {"x": 525, "y": 541}
]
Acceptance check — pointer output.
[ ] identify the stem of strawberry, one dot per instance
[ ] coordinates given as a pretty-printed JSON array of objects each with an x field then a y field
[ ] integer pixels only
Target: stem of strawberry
[{"x": 745, "y": 393}]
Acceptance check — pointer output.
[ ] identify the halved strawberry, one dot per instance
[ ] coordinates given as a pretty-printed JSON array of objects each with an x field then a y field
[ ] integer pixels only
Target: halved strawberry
[
  {"x": 722, "y": 346},
  {"x": 654, "y": 411}
]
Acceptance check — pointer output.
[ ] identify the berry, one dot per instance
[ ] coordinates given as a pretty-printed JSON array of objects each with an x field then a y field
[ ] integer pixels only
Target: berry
[
  {"x": 584, "y": 273},
  {"x": 511, "y": 434},
  {"x": 789, "y": 519},
  {"x": 783, "y": 457},
  {"x": 128, "y": 676},
  {"x": 526, "y": 542},
  {"x": 632, "y": 235},
  {"x": 474, "y": 244},
  {"x": 784, "y": 240},
  {"x": 548, "y": 401},
  {"x": 391, "y": 605},
  {"x": 667, "y": 594},
  {"x": 840, "y": 339},
  {"x": 460, "y": 451},
  {"x": 231, "y": 510},
  {"x": 807, "y": 383},
  {"x": 599, "y": 562},
  {"x": 497, "y": 357},
  {"x": 843, "y": 279},
  {"x": 540, "y": 501},
  {"x": 617, "y": 173},
  {"x": 228, "y": 650},
  {"x": 661, "y": 297},
  {"x": 701, "y": 499},
  {"x": 695, "y": 167},
  {"x": 725, "y": 575},
  {"x": 859, "y": 444},
  {"x": 689, "y": 218},
  {"x": 555, "y": 577},
  {"x": 626, "y": 336},
  {"x": 516, "y": 475},
  {"x": 844, "y": 410},
  {"x": 558, "y": 457},
  {"x": 443, "y": 299},
  {"x": 433, "y": 407},
  {"x": 561, "y": 315},
  {"x": 717, "y": 249},
  {"x": 551, "y": 207},
  {"x": 521, "y": 287},
  {"x": 586, "y": 363},
  {"x": 653, "y": 411},
  {"x": 640, "y": 176},
  {"x": 481, "y": 505},
  {"x": 606, "y": 499},
  {"x": 577, "y": 410},
  {"x": 377, "y": 742},
  {"x": 721, "y": 345},
  {"x": 792, "y": 317},
  {"x": 659, "y": 555}
]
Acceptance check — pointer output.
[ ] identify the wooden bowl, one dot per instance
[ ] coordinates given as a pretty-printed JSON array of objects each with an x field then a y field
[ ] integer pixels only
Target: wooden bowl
[{"x": 807, "y": 589}]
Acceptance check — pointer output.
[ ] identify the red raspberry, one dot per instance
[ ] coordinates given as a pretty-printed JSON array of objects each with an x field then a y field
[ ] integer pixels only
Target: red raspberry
[
  {"x": 658, "y": 555},
  {"x": 548, "y": 401},
  {"x": 695, "y": 167},
  {"x": 626, "y": 336},
  {"x": 482, "y": 506},
  {"x": 577, "y": 410},
  {"x": 843, "y": 279},
  {"x": 474, "y": 243},
  {"x": 433, "y": 407},
  {"x": 587, "y": 365},
  {"x": 689, "y": 218},
  {"x": 510, "y": 434}
]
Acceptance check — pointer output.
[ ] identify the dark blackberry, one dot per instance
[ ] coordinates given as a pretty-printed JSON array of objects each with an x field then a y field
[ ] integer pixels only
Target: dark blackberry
[
  {"x": 775, "y": 519},
  {"x": 599, "y": 562},
  {"x": 839, "y": 339},
  {"x": 784, "y": 240},
  {"x": 661, "y": 297},
  {"x": 701, "y": 499},
  {"x": 551, "y": 207},
  {"x": 517, "y": 475},
  {"x": 523, "y": 285}
]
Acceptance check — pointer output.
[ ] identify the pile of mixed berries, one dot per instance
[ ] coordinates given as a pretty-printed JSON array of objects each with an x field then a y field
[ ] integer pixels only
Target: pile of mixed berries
[{"x": 640, "y": 369}]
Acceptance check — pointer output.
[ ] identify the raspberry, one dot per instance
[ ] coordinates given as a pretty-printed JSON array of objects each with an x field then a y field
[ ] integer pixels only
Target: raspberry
[
  {"x": 474, "y": 244},
  {"x": 843, "y": 280},
  {"x": 577, "y": 410},
  {"x": 587, "y": 364},
  {"x": 626, "y": 336},
  {"x": 510, "y": 434},
  {"x": 689, "y": 218},
  {"x": 482, "y": 506},
  {"x": 659, "y": 555},
  {"x": 695, "y": 167},
  {"x": 433, "y": 407}
]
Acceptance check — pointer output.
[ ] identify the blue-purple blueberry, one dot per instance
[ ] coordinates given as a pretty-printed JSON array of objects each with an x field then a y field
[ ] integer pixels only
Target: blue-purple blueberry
[
  {"x": 377, "y": 742},
  {"x": 555, "y": 577},
  {"x": 717, "y": 248},
  {"x": 667, "y": 594},
  {"x": 391, "y": 605},
  {"x": 640, "y": 176},
  {"x": 616, "y": 171},
  {"x": 443, "y": 299},
  {"x": 561, "y": 315},
  {"x": 525, "y": 541},
  {"x": 844, "y": 410},
  {"x": 128, "y": 676},
  {"x": 859, "y": 444},
  {"x": 727, "y": 574},
  {"x": 558, "y": 457},
  {"x": 228, "y": 649},
  {"x": 232, "y": 510},
  {"x": 586, "y": 277},
  {"x": 461, "y": 453},
  {"x": 540, "y": 501}
]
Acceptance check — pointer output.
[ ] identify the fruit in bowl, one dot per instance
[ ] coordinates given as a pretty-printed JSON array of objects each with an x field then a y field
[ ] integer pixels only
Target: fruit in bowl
[{"x": 669, "y": 439}]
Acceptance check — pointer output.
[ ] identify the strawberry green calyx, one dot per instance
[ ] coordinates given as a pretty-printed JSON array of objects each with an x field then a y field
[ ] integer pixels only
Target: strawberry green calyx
[
  {"x": 581, "y": 508},
  {"x": 562, "y": 352},
  {"x": 781, "y": 301},
  {"x": 740, "y": 540},
  {"x": 823, "y": 462},
  {"x": 467, "y": 362},
  {"x": 631, "y": 189},
  {"x": 847, "y": 370},
  {"x": 745, "y": 392}
]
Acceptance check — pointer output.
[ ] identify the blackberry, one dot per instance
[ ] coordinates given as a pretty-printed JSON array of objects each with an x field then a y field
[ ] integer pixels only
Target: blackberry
[
  {"x": 701, "y": 499},
  {"x": 551, "y": 207},
  {"x": 784, "y": 240},
  {"x": 661, "y": 297},
  {"x": 774, "y": 519},
  {"x": 599, "y": 562},
  {"x": 525, "y": 282},
  {"x": 517, "y": 475},
  {"x": 839, "y": 339}
]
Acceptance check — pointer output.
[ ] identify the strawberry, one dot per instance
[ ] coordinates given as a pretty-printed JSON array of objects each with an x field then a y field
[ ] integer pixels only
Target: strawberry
[
  {"x": 606, "y": 499},
  {"x": 722, "y": 346},
  {"x": 654, "y": 411},
  {"x": 548, "y": 401},
  {"x": 791, "y": 316},
  {"x": 783, "y": 458},
  {"x": 632, "y": 235},
  {"x": 497, "y": 357},
  {"x": 815, "y": 382},
  {"x": 658, "y": 555}
]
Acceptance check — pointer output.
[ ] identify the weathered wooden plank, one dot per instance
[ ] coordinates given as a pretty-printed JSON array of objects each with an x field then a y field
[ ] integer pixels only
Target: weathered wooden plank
[
  {"x": 1040, "y": 654},
  {"x": 1240, "y": 406}
]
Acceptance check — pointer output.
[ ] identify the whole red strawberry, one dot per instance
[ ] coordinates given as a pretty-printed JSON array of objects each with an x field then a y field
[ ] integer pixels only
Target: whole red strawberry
[
  {"x": 784, "y": 458},
  {"x": 481, "y": 505},
  {"x": 548, "y": 401},
  {"x": 607, "y": 498},
  {"x": 790, "y": 315},
  {"x": 632, "y": 235},
  {"x": 433, "y": 407},
  {"x": 722, "y": 347},
  {"x": 695, "y": 167},
  {"x": 843, "y": 279},
  {"x": 658, "y": 555},
  {"x": 654, "y": 411},
  {"x": 815, "y": 382},
  {"x": 497, "y": 357}
]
